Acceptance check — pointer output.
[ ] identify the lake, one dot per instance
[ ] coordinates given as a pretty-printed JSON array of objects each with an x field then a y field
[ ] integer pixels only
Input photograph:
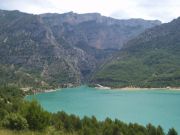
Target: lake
[{"x": 159, "y": 107}]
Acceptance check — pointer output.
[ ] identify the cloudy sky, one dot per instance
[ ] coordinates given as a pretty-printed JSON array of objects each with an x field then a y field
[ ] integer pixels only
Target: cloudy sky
[{"x": 164, "y": 10}]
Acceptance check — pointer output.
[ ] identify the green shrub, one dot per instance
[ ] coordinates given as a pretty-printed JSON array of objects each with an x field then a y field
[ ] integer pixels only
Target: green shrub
[
  {"x": 3, "y": 113},
  {"x": 37, "y": 118},
  {"x": 15, "y": 121}
]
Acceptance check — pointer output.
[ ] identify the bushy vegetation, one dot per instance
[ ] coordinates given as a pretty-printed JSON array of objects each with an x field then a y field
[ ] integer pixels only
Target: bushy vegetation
[
  {"x": 19, "y": 114},
  {"x": 25, "y": 117},
  {"x": 37, "y": 118},
  {"x": 15, "y": 121}
]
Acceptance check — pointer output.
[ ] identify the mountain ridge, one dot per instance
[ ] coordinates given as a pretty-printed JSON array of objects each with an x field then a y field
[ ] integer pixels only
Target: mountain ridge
[{"x": 41, "y": 51}]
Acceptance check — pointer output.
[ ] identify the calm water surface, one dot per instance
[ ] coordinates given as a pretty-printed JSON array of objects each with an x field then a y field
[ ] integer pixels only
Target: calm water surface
[{"x": 159, "y": 107}]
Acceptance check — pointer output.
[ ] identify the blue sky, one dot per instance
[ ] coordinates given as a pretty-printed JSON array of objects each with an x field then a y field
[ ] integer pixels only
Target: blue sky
[{"x": 164, "y": 10}]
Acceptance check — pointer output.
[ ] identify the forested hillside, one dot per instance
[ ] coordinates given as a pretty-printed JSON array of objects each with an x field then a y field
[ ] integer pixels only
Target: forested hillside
[{"x": 150, "y": 60}]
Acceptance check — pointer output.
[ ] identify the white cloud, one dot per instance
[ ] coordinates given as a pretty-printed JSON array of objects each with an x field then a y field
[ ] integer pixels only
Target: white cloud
[{"x": 164, "y": 10}]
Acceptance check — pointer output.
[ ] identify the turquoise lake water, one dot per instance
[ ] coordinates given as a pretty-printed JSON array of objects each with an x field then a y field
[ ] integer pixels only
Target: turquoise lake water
[{"x": 159, "y": 107}]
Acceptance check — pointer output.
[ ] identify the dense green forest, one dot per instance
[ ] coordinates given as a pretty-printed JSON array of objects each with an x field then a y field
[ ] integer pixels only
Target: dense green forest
[{"x": 18, "y": 116}]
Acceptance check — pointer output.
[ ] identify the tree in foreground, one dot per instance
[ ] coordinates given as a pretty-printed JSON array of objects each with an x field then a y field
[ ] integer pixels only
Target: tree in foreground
[
  {"x": 37, "y": 118},
  {"x": 172, "y": 131}
]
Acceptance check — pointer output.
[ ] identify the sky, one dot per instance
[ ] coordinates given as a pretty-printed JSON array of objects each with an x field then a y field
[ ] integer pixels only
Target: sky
[{"x": 164, "y": 10}]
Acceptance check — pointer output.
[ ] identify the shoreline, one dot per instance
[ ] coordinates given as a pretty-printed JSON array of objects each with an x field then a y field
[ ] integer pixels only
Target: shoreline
[
  {"x": 34, "y": 92},
  {"x": 139, "y": 88},
  {"x": 100, "y": 87},
  {"x": 136, "y": 88},
  {"x": 39, "y": 91}
]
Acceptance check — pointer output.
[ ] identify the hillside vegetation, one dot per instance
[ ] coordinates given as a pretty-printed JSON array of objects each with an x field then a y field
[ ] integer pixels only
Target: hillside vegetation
[{"x": 150, "y": 60}]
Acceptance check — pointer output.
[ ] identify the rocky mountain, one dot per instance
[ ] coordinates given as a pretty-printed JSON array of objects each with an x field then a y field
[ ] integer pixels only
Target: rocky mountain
[
  {"x": 55, "y": 49},
  {"x": 97, "y": 31},
  {"x": 150, "y": 60}
]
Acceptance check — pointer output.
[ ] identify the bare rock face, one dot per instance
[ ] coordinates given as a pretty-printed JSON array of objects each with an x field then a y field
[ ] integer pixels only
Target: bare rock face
[
  {"x": 97, "y": 31},
  {"x": 59, "y": 49}
]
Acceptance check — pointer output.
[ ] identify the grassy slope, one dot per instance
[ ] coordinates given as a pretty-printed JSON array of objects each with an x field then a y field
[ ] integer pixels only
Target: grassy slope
[{"x": 47, "y": 132}]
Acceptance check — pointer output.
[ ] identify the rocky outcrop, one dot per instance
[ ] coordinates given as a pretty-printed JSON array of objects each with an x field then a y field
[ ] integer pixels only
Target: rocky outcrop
[{"x": 97, "y": 31}]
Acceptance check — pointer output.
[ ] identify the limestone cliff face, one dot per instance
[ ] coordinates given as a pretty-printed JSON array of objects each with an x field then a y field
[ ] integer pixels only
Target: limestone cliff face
[
  {"x": 54, "y": 49},
  {"x": 97, "y": 31}
]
